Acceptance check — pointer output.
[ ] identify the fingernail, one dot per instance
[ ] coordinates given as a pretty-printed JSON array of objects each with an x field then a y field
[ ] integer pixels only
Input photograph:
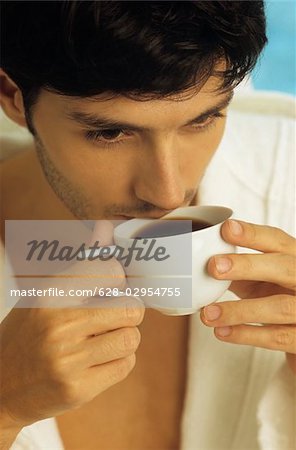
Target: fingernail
[
  {"x": 223, "y": 331},
  {"x": 222, "y": 264},
  {"x": 235, "y": 227},
  {"x": 212, "y": 312}
]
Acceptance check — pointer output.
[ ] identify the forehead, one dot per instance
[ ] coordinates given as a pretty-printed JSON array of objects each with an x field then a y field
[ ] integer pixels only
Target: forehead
[{"x": 149, "y": 113}]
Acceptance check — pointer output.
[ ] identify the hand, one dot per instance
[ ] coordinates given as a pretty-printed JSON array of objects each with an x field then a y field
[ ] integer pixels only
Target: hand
[
  {"x": 56, "y": 359},
  {"x": 267, "y": 284}
]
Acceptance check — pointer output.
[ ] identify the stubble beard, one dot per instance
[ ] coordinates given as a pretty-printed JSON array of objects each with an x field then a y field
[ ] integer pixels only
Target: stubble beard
[{"x": 74, "y": 200}]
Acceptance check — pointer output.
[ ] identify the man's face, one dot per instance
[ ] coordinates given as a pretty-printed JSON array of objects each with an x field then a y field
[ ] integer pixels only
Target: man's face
[{"x": 118, "y": 158}]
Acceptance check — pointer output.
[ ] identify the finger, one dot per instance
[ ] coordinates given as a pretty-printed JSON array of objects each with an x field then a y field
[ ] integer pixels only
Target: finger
[
  {"x": 110, "y": 346},
  {"x": 99, "y": 378},
  {"x": 270, "y": 267},
  {"x": 278, "y": 309},
  {"x": 258, "y": 237},
  {"x": 107, "y": 316},
  {"x": 255, "y": 289},
  {"x": 274, "y": 337}
]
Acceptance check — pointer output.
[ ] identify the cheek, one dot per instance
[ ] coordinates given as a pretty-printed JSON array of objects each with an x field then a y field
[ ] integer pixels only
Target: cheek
[
  {"x": 61, "y": 147},
  {"x": 200, "y": 150},
  {"x": 69, "y": 152},
  {"x": 212, "y": 138},
  {"x": 91, "y": 170}
]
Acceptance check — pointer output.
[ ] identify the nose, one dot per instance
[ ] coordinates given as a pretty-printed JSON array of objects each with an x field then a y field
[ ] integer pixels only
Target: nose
[{"x": 159, "y": 179}]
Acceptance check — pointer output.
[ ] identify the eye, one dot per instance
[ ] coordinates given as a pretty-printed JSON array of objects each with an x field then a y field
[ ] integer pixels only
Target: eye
[
  {"x": 111, "y": 135},
  {"x": 209, "y": 121}
]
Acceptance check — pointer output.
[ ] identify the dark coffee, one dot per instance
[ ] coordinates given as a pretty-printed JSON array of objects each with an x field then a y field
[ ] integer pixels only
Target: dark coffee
[{"x": 169, "y": 227}]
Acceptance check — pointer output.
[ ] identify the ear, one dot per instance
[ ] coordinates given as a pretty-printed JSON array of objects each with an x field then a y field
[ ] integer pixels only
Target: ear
[{"x": 11, "y": 100}]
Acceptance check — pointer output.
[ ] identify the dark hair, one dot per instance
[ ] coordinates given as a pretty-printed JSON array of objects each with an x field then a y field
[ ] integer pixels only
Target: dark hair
[{"x": 134, "y": 48}]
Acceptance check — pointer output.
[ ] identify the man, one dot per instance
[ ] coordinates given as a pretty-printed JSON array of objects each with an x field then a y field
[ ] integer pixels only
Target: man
[{"x": 126, "y": 102}]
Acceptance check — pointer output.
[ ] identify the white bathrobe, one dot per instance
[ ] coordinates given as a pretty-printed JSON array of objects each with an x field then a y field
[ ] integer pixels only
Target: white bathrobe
[{"x": 237, "y": 397}]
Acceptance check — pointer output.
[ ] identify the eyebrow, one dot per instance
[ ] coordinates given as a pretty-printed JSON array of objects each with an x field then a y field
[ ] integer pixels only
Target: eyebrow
[{"x": 105, "y": 123}]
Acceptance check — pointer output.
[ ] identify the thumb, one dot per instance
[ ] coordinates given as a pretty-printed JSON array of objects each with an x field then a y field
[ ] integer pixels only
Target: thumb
[
  {"x": 103, "y": 233},
  {"x": 102, "y": 274},
  {"x": 88, "y": 276}
]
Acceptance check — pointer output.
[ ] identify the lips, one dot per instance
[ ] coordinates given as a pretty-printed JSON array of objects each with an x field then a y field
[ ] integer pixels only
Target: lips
[
  {"x": 146, "y": 216},
  {"x": 124, "y": 217}
]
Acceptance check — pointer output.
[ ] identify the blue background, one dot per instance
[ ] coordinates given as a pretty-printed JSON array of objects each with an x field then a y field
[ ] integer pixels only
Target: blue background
[{"x": 276, "y": 70}]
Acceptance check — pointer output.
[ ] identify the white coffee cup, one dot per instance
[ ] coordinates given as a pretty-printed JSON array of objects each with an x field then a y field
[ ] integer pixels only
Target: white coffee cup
[{"x": 174, "y": 271}]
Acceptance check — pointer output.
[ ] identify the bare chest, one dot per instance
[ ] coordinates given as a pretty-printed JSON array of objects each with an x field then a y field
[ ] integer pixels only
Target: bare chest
[{"x": 144, "y": 411}]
